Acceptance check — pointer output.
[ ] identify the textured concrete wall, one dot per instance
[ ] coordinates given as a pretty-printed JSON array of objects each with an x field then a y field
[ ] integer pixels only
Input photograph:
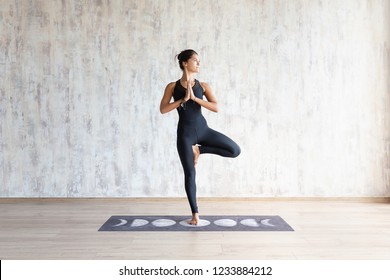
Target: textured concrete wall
[{"x": 303, "y": 87}]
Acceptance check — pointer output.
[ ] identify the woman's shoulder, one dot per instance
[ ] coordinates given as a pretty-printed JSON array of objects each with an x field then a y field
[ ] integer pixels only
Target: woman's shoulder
[
  {"x": 204, "y": 85},
  {"x": 171, "y": 85}
]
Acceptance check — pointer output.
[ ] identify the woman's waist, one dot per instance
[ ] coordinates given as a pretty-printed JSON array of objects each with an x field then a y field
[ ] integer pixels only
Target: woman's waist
[{"x": 191, "y": 120}]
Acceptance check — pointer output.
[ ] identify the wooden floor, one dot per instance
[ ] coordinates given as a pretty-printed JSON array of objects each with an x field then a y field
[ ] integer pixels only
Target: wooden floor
[{"x": 67, "y": 229}]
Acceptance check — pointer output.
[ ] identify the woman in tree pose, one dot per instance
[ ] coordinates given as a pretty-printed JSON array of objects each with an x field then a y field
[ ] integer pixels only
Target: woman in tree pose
[{"x": 194, "y": 137}]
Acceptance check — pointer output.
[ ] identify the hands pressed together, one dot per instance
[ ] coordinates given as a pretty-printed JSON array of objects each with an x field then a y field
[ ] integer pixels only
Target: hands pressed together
[{"x": 189, "y": 93}]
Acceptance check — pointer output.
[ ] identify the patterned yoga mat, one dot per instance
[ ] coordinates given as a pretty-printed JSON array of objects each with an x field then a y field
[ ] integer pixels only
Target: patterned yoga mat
[{"x": 207, "y": 223}]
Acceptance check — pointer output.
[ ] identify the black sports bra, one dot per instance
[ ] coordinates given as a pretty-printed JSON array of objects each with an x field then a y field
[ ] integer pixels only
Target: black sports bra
[{"x": 190, "y": 109}]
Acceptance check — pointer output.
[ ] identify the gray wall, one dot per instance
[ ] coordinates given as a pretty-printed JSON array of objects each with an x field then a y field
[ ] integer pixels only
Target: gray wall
[{"x": 303, "y": 87}]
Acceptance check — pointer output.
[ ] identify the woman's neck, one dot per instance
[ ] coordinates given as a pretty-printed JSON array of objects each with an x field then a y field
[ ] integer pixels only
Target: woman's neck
[{"x": 186, "y": 77}]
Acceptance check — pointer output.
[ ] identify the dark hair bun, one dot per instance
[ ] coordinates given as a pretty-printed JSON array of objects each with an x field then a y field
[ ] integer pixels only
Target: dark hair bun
[{"x": 185, "y": 56}]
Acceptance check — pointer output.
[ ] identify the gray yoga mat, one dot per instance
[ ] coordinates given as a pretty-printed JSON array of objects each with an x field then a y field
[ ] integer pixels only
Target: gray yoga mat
[{"x": 207, "y": 223}]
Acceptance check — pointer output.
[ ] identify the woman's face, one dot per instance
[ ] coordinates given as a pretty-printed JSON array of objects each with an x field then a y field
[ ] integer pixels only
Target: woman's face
[{"x": 193, "y": 64}]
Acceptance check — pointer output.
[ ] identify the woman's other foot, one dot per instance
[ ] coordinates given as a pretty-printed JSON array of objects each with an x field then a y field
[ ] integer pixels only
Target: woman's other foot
[{"x": 196, "y": 151}]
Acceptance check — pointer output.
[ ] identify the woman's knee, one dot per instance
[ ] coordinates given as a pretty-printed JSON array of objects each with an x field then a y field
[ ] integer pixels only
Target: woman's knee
[{"x": 236, "y": 151}]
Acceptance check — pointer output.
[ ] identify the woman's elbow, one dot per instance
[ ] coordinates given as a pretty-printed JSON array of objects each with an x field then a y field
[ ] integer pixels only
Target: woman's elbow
[
  {"x": 163, "y": 109},
  {"x": 215, "y": 108}
]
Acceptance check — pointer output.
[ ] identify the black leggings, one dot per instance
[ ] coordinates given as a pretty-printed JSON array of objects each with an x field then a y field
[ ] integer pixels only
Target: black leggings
[{"x": 194, "y": 132}]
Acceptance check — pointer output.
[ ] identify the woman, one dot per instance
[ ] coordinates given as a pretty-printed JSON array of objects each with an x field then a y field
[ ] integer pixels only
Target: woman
[{"x": 194, "y": 137}]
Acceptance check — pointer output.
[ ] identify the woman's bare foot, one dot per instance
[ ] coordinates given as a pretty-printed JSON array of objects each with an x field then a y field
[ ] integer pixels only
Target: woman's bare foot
[
  {"x": 195, "y": 219},
  {"x": 196, "y": 151}
]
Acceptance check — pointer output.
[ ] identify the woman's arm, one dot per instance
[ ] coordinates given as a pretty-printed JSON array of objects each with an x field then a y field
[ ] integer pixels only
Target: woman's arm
[
  {"x": 166, "y": 105},
  {"x": 211, "y": 102}
]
